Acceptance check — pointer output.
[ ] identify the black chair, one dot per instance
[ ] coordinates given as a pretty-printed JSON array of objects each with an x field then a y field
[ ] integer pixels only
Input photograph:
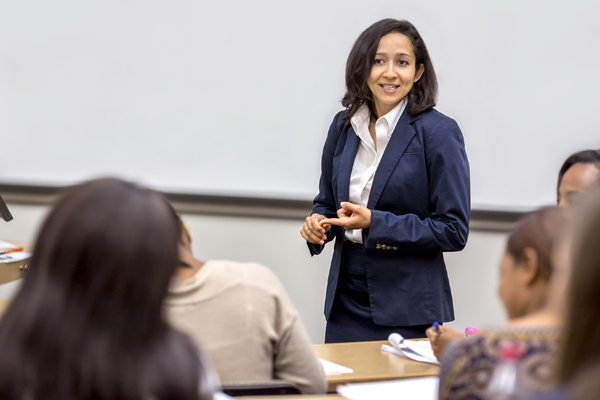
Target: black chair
[{"x": 270, "y": 388}]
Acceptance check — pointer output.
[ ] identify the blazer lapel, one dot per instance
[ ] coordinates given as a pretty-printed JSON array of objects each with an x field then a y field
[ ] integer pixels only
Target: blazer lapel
[
  {"x": 346, "y": 164},
  {"x": 403, "y": 134}
]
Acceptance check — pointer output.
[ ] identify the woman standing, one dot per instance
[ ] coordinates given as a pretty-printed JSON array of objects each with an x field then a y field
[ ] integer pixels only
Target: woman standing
[{"x": 394, "y": 193}]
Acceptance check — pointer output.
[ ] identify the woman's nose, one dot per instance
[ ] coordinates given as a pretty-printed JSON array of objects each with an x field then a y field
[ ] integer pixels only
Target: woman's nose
[{"x": 389, "y": 71}]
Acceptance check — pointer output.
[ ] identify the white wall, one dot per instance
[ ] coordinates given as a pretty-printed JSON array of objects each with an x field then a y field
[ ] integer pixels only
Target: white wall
[
  {"x": 278, "y": 245},
  {"x": 237, "y": 96}
]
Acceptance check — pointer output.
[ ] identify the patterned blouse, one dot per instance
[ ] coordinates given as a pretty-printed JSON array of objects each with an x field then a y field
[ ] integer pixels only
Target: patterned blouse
[{"x": 467, "y": 365}]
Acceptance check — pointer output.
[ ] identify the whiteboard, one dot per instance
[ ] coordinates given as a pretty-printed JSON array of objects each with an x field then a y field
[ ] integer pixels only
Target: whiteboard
[{"x": 235, "y": 97}]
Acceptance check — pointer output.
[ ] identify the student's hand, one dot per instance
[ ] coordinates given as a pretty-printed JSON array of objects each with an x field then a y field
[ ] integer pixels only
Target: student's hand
[
  {"x": 439, "y": 341},
  {"x": 350, "y": 216},
  {"x": 312, "y": 231}
]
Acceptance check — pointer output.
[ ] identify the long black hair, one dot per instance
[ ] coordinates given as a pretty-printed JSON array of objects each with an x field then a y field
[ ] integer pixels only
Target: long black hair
[
  {"x": 423, "y": 94},
  {"x": 87, "y": 322}
]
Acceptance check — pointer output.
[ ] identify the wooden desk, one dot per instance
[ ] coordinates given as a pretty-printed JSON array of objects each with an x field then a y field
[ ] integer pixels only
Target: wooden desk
[
  {"x": 12, "y": 271},
  {"x": 370, "y": 363}
]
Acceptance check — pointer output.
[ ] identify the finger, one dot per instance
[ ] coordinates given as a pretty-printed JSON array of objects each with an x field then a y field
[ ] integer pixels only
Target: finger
[
  {"x": 326, "y": 227},
  {"x": 314, "y": 225},
  {"x": 313, "y": 222},
  {"x": 303, "y": 232},
  {"x": 431, "y": 334},
  {"x": 317, "y": 216},
  {"x": 315, "y": 233},
  {"x": 317, "y": 230},
  {"x": 335, "y": 221},
  {"x": 342, "y": 212},
  {"x": 350, "y": 206},
  {"x": 310, "y": 238},
  {"x": 316, "y": 236}
]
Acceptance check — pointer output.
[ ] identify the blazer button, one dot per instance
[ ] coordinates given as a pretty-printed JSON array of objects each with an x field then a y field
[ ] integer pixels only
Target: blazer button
[
  {"x": 394, "y": 248},
  {"x": 378, "y": 246}
]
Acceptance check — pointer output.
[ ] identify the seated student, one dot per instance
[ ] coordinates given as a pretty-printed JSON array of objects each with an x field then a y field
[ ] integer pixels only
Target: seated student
[
  {"x": 241, "y": 316},
  {"x": 525, "y": 270},
  {"x": 579, "y": 355},
  {"x": 87, "y": 322},
  {"x": 579, "y": 173}
]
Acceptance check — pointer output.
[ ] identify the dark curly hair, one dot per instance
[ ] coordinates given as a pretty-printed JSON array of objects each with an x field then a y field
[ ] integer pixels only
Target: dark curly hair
[{"x": 423, "y": 94}]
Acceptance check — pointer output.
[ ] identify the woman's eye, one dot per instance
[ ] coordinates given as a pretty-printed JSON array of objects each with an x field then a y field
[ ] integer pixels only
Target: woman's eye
[
  {"x": 402, "y": 62},
  {"x": 378, "y": 61}
]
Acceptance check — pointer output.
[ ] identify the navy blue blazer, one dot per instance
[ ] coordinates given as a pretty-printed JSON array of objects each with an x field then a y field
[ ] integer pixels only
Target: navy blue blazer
[{"x": 420, "y": 205}]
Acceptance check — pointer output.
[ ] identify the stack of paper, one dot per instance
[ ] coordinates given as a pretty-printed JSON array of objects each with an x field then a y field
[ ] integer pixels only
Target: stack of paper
[
  {"x": 418, "y": 350},
  {"x": 334, "y": 369},
  {"x": 11, "y": 257},
  {"x": 5, "y": 245},
  {"x": 413, "y": 389}
]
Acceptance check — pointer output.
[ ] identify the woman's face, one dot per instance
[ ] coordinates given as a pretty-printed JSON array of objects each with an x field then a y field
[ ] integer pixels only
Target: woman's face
[
  {"x": 578, "y": 180},
  {"x": 510, "y": 289},
  {"x": 393, "y": 72}
]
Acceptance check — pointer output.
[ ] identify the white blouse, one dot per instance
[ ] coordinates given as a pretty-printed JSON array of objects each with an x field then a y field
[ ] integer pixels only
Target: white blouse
[{"x": 368, "y": 155}]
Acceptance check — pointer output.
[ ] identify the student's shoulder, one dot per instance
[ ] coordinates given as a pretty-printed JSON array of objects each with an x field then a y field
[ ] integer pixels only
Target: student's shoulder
[
  {"x": 486, "y": 344},
  {"x": 247, "y": 273}
]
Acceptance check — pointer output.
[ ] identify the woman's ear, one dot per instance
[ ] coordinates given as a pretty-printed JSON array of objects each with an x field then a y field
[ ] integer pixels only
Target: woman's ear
[
  {"x": 185, "y": 234},
  {"x": 530, "y": 265},
  {"x": 419, "y": 72}
]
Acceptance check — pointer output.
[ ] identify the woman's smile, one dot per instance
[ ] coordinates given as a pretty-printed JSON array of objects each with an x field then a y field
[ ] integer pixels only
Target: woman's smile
[{"x": 389, "y": 88}]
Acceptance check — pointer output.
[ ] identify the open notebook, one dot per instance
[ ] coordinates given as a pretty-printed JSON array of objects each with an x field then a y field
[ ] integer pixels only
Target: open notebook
[{"x": 418, "y": 350}]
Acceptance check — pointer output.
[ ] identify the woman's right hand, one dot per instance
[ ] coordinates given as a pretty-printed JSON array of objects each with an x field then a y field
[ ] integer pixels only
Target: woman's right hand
[
  {"x": 314, "y": 233},
  {"x": 439, "y": 341}
]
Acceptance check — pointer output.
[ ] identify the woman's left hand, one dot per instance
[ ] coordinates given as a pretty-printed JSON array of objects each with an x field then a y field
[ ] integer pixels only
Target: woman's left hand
[{"x": 350, "y": 216}]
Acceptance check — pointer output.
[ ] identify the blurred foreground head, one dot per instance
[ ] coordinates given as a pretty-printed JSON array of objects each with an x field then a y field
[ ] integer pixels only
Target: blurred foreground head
[
  {"x": 579, "y": 362},
  {"x": 87, "y": 322},
  {"x": 528, "y": 264}
]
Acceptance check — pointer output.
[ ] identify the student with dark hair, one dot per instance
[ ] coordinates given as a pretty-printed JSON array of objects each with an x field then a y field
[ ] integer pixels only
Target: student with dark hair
[
  {"x": 394, "y": 193},
  {"x": 578, "y": 175},
  {"x": 242, "y": 317},
  {"x": 87, "y": 322},
  {"x": 534, "y": 322}
]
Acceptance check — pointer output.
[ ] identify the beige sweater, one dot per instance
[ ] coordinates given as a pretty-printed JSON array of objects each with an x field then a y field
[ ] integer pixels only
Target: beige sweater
[{"x": 241, "y": 317}]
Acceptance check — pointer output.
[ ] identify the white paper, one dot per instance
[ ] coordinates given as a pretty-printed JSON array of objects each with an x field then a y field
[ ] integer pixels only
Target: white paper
[
  {"x": 418, "y": 350},
  {"x": 409, "y": 389},
  {"x": 12, "y": 257},
  {"x": 6, "y": 245},
  {"x": 334, "y": 369}
]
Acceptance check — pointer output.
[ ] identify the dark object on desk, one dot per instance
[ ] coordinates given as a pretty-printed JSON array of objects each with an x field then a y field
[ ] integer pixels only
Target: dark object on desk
[
  {"x": 6, "y": 215},
  {"x": 273, "y": 388}
]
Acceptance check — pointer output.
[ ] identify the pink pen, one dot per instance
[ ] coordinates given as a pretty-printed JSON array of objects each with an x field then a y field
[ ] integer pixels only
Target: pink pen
[{"x": 471, "y": 331}]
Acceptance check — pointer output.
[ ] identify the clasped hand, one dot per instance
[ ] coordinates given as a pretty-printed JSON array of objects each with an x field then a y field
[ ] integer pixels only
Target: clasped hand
[{"x": 350, "y": 216}]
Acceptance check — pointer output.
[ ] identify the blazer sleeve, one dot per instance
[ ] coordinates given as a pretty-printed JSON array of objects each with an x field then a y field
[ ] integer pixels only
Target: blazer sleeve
[
  {"x": 447, "y": 227},
  {"x": 324, "y": 203}
]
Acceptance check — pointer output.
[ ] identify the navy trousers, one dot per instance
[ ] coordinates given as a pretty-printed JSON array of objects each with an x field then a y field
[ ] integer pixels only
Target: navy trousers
[{"x": 350, "y": 319}]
